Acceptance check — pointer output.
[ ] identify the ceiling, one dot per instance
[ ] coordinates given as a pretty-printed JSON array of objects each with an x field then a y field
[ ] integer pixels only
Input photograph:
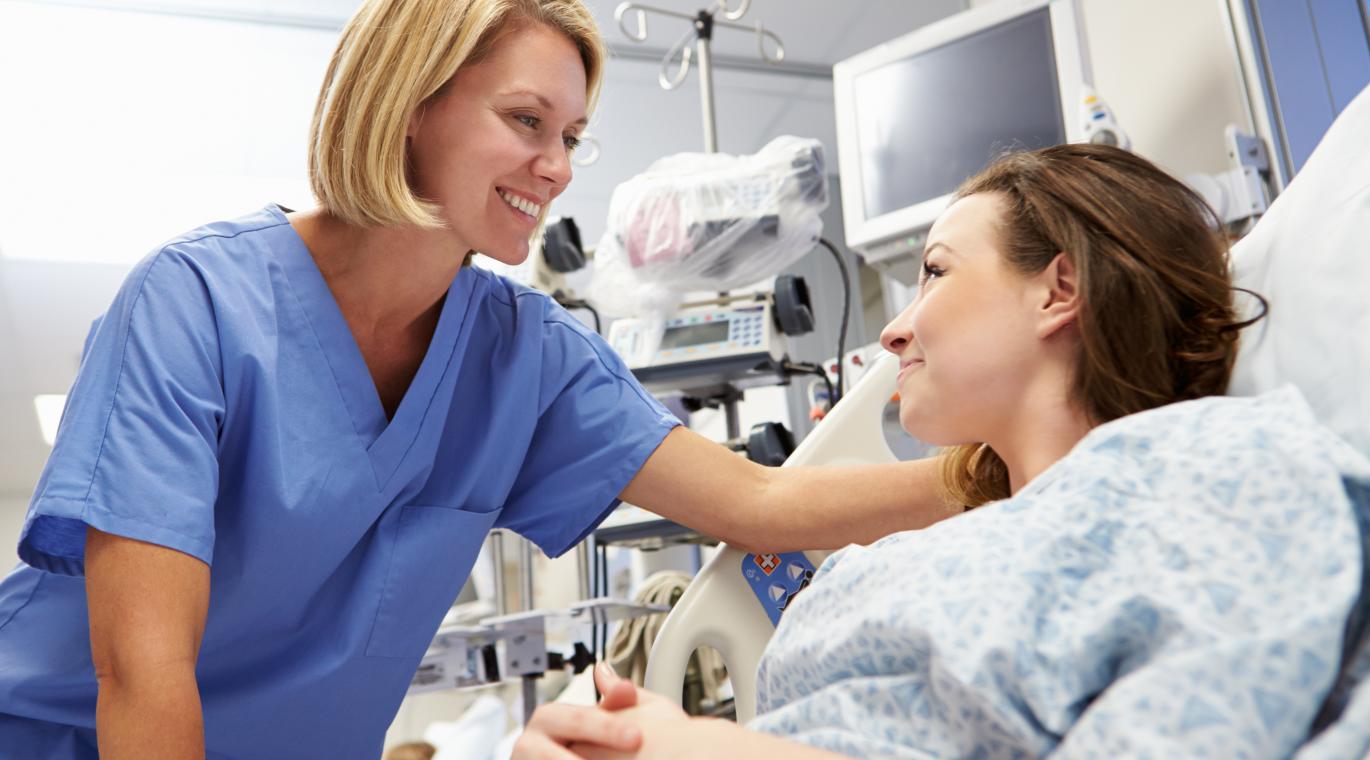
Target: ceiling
[{"x": 46, "y": 307}]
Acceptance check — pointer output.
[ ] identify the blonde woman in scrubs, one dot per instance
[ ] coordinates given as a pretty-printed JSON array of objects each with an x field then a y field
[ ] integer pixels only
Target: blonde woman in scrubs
[{"x": 291, "y": 430}]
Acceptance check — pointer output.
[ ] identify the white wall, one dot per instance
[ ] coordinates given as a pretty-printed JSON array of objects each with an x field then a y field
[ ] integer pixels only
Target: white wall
[
  {"x": 148, "y": 125},
  {"x": 12, "y": 510},
  {"x": 1168, "y": 70}
]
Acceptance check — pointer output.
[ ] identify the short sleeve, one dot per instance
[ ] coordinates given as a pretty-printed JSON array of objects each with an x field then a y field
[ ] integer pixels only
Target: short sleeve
[
  {"x": 596, "y": 428},
  {"x": 136, "y": 453}
]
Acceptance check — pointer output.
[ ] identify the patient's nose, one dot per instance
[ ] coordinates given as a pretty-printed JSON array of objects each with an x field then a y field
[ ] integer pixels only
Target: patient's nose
[{"x": 897, "y": 334}]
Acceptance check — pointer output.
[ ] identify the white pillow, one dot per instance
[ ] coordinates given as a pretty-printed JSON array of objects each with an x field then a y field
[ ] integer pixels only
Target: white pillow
[{"x": 1310, "y": 257}]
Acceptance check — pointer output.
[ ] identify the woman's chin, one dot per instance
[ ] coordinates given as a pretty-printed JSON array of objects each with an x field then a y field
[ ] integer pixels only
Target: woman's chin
[
  {"x": 927, "y": 430},
  {"x": 509, "y": 255}
]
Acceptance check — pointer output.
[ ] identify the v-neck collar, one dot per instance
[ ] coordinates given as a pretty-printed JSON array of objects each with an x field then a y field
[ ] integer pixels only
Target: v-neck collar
[{"x": 386, "y": 441}]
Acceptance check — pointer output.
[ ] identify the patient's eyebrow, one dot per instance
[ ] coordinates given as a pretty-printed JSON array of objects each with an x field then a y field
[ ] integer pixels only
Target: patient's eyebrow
[{"x": 939, "y": 244}]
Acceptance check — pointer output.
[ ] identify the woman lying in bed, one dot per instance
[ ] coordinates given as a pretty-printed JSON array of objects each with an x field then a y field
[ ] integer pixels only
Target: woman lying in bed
[{"x": 1132, "y": 576}]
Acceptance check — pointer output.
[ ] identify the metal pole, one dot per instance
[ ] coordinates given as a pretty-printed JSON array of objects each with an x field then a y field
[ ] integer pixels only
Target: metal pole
[
  {"x": 496, "y": 539},
  {"x": 583, "y": 568},
  {"x": 730, "y": 414},
  {"x": 704, "y": 27},
  {"x": 525, "y": 574},
  {"x": 530, "y": 697}
]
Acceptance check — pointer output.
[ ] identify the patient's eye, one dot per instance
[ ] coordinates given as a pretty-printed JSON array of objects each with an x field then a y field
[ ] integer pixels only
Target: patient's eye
[{"x": 930, "y": 271}]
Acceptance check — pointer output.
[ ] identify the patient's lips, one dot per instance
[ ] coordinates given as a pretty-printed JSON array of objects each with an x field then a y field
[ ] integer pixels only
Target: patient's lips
[{"x": 908, "y": 365}]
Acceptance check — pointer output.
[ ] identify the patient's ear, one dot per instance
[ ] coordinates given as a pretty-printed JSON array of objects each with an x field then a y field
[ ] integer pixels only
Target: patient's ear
[{"x": 1059, "y": 305}]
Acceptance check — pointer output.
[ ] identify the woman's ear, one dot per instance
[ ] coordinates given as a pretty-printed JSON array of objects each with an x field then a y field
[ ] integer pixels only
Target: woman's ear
[{"x": 1061, "y": 305}]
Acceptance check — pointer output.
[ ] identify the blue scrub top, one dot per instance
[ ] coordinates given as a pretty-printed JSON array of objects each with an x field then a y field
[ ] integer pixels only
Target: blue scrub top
[{"x": 223, "y": 409}]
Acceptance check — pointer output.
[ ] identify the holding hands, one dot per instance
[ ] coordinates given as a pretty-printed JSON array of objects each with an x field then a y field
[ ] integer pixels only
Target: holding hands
[{"x": 628, "y": 723}]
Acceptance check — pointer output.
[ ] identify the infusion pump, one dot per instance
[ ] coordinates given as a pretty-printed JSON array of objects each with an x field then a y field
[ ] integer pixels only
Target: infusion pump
[
  {"x": 735, "y": 341},
  {"x": 703, "y": 333}
]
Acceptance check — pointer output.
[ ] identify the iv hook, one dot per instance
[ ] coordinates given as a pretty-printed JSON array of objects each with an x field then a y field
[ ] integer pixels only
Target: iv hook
[
  {"x": 682, "y": 47},
  {"x": 622, "y": 11},
  {"x": 734, "y": 14}
]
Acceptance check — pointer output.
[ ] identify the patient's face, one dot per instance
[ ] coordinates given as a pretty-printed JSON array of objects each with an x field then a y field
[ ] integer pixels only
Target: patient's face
[{"x": 966, "y": 343}]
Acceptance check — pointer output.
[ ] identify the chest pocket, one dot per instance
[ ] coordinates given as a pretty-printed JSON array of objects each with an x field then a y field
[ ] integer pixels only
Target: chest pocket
[{"x": 431, "y": 555}]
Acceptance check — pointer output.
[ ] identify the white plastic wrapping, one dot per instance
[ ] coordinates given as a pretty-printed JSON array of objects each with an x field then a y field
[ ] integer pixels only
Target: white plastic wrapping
[{"x": 709, "y": 222}]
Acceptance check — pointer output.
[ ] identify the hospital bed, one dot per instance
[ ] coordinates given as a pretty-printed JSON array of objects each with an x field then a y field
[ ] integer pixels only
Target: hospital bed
[
  {"x": 1309, "y": 256},
  {"x": 719, "y": 609}
]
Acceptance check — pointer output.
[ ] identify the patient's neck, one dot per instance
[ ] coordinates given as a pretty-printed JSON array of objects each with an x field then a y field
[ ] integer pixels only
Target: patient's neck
[{"x": 1046, "y": 426}]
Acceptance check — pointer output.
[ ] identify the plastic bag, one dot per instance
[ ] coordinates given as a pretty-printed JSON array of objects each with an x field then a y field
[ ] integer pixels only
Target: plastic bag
[{"x": 709, "y": 221}]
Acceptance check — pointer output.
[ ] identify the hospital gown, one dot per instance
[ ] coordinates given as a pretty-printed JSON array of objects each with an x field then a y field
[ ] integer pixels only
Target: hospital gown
[{"x": 1181, "y": 584}]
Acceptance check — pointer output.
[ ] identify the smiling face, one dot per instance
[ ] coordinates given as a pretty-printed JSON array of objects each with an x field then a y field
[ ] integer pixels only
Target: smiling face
[
  {"x": 969, "y": 341},
  {"x": 493, "y": 148}
]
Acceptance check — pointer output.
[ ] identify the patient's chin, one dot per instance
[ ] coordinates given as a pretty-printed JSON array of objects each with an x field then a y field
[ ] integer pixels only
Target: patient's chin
[{"x": 932, "y": 431}]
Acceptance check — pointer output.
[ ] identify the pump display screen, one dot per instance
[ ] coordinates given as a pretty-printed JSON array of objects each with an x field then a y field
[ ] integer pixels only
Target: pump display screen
[{"x": 694, "y": 335}]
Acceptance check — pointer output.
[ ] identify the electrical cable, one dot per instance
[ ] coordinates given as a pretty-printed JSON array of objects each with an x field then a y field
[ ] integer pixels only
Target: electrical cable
[
  {"x": 809, "y": 368},
  {"x": 576, "y": 303},
  {"x": 846, "y": 316}
]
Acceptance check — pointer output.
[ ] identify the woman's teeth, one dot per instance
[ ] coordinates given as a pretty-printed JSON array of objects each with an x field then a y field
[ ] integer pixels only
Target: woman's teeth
[{"x": 527, "y": 207}]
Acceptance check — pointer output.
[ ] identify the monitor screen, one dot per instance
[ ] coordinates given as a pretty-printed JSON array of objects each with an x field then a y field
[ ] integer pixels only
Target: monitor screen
[{"x": 927, "y": 122}]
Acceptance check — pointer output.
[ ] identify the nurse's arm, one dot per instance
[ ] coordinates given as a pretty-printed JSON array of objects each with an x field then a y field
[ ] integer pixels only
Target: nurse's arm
[
  {"x": 698, "y": 483},
  {"x": 147, "y": 615}
]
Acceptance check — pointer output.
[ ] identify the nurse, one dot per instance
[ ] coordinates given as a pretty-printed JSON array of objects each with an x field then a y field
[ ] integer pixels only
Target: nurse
[{"x": 291, "y": 431}]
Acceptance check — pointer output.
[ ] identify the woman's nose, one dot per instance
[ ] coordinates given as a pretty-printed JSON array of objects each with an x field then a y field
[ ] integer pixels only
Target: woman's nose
[
  {"x": 899, "y": 332},
  {"x": 554, "y": 165}
]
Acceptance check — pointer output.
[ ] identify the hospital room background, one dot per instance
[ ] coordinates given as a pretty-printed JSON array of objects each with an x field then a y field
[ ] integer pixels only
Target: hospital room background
[{"x": 145, "y": 117}]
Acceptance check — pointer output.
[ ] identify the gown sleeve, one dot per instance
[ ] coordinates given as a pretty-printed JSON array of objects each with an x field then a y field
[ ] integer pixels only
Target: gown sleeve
[
  {"x": 596, "y": 428},
  {"x": 136, "y": 453}
]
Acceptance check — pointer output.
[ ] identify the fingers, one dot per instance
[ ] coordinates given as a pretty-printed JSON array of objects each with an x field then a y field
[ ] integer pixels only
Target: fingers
[
  {"x": 535, "y": 746},
  {"x": 605, "y": 677},
  {"x": 616, "y": 693},
  {"x": 590, "y": 752},
  {"x": 620, "y": 696},
  {"x": 564, "y": 724}
]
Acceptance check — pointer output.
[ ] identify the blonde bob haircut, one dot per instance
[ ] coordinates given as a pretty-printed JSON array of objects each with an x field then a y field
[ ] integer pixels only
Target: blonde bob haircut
[{"x": 393, "y": 56}]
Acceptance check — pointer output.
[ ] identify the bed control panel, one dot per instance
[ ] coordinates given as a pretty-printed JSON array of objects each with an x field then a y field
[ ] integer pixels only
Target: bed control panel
[{"x": 776, "y": 579}]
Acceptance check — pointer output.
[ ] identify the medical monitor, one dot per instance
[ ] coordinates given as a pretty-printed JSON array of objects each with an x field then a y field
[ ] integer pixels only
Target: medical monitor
[{"x": 918, "y": 115}]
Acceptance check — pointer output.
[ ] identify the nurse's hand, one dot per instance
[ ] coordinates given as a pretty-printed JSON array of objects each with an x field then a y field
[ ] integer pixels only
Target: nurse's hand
[
  {"x": 622, "y": 693},
  {"x": 554, "y": 727}
]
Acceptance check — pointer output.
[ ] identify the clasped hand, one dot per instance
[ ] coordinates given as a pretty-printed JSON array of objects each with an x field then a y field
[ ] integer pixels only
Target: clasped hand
[{"x": 628, "y": 723}]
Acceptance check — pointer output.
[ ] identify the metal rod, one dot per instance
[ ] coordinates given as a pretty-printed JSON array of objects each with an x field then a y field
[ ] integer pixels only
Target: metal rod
[
  {"x": 525, "y": 574},
  {"x": 704, "y": 23},
  {"x": 530, "y": 697},
  {"x": 583, "y": 569},
  {"x": 733, "y": 421},
  {"x": 727, "y": 62},
  {"x": 706, "y": 95},
  {"x": 496, "y": 539},
  {"x": 640, "y": 34},
  {"x": 733, "y": 14}
]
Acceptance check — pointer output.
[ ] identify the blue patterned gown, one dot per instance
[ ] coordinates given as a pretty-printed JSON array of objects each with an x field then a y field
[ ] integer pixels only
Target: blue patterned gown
[{"x": 1186, "y": 582}]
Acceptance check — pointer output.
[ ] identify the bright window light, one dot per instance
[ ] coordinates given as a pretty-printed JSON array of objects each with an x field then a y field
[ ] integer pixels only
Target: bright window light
[{"x": 49, "y": 407}]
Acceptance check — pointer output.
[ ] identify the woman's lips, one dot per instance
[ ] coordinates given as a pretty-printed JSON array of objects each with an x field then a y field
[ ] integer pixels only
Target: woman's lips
[{"x": 906, "y": 367}]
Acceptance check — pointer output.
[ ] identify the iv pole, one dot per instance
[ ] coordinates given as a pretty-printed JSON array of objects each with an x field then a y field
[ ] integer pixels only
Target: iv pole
[{"x": 701, "y": 33}]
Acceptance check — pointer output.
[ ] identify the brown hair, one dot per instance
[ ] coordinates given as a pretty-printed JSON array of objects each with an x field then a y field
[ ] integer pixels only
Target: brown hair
[{"x": 1156, "y": 324}]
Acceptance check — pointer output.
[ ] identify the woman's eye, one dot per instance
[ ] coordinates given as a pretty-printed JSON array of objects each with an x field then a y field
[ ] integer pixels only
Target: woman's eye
[
  {"x": 572, "y": 142},
  {"x": 528, "y": 121},
  {"x": 930, "y": 271}
]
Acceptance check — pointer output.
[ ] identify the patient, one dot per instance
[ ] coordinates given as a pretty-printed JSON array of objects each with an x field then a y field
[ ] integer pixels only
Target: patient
[{"x": 1150, "y": 577}]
